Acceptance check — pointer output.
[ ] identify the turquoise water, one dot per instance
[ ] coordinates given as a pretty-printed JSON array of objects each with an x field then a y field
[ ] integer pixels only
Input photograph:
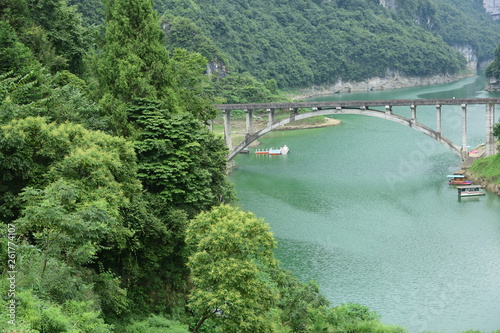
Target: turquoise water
[{"x": 365, "y": 210}]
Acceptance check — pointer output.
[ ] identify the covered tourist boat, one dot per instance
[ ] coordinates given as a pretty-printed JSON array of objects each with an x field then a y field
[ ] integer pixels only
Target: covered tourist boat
[
  {"x": 470, "y": 191},
  {"x": 458, "y": 178}
]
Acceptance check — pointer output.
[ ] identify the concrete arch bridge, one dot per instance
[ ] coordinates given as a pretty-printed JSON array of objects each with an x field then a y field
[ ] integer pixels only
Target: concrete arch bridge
[{"x": 363, "y": 108}]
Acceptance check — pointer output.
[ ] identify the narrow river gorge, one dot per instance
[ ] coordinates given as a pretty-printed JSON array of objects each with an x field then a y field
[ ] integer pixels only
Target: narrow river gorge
[{"x": 364, "y": 209}]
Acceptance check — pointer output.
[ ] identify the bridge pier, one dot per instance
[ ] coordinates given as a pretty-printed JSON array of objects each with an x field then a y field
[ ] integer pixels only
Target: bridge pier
[
  {"x": 293, "y": 113},
  {"x": 249, "y": 121},
  {"x": 227, "y": 129},
  {"x": 490, "y": 123},
  {"x": 388, "y": 110},
  {"x": 438, "y": 119},
  {"x": 271, "y": 117},
  {"x": 464, "y": 131},
  {"x": 413, "y": 108}
]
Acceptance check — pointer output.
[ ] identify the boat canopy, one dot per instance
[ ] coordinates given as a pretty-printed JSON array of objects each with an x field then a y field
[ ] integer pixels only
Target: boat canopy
[
  {"x": 469, "y": 187},
  {"x": 455, "y": 176}
]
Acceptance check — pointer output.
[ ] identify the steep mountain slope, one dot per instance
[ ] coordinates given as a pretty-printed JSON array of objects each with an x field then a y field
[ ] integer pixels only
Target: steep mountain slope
[{"x": 304, "y": 42}]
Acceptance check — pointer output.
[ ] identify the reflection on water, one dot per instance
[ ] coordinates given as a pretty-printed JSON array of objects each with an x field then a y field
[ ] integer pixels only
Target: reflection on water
[{"x": 364, "y": 209}]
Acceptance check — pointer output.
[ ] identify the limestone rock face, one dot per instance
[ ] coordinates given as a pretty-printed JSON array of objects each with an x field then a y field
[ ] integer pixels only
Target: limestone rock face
[
  {"x": 392, "y": 80},
  {"x": 389, "y": 4},
  {"x": 470, "y": 55},
  {"x": 493, "y": 8},
  {"x": 494, "y": 85}
]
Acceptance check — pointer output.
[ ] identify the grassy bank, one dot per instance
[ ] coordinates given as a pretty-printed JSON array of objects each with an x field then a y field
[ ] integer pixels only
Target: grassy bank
[
  {"x": 486, "y": 172},
  {"x": 488, "y": 168}
]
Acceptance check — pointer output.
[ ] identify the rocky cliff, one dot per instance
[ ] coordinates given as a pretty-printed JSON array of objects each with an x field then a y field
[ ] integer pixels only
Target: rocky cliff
[
  {"x": 493, "y": 8},
  {"x": 393, "y": 80}
]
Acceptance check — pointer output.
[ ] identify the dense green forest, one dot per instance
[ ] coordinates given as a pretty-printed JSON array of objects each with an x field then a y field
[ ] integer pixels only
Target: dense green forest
[
  {"x": 117, "y": 214},
  {"x": 300, "y": 43}
]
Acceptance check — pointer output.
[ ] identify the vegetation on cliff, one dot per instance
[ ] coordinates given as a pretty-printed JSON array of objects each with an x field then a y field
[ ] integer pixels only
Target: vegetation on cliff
[{"x": 493, "y": 71}]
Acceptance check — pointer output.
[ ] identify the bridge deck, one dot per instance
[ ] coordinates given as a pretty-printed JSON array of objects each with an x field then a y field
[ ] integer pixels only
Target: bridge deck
[{"x": 371, "y": 103}]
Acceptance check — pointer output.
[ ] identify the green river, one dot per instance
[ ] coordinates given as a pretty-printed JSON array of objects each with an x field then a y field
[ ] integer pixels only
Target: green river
[{"x": 364, "y": 209}]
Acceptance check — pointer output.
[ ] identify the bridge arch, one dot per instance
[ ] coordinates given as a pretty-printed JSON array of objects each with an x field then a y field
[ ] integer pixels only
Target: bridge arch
[{"x": 249, "y": 138}]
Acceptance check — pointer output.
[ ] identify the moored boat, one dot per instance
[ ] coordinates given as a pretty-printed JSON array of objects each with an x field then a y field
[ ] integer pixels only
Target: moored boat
[
  {"x": 470, "y": 191},
  {"x": 274, "y": 151},
  {"x": 458, "y": 178},
  {"x": 262, "y": 152}
]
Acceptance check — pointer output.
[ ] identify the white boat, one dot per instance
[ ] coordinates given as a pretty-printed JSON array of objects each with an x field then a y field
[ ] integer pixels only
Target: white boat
[
  {"x": 279, "y": 151},
  {"x": 470, "y": 191}
]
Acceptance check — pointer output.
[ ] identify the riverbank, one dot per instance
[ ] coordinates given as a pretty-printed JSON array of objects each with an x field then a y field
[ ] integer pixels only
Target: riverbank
[
  {"x": 486, "y": 172},
  {"x": 393, "y": 80}
]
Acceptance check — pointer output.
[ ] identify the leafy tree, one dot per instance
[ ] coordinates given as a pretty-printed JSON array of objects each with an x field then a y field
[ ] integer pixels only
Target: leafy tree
[
  {"x": 134, "y": 62},
  {"x": 37, "y": 154},
  {"x": 231, "y": 250},
  {"x": 63, "y": 28},
  {"x": 496, "y": 130},
  {"x": 493, "y": 69},
  {"x": 156, "y": 324},
  {"x": 16, "y": 57},
  {"x": 179, "y": 159},
  {"x": 192, "y": 85}
]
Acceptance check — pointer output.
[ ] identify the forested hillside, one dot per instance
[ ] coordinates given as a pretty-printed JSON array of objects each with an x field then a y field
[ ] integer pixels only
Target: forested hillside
[{"x": 306, "y": 42}]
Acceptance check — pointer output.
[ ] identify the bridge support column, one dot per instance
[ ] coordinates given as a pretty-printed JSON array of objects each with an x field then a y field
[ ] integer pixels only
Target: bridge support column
[
  {"x": 413, "y": 114},
  {"x": 438, "y": 119},
  {"x": 271, "y": 117},
  {"x": 293, "y": 112},
  {"x": 464, "y": 131},
  {"x": 249, "y": 118},
  {"x": 490, "y": 122},
  {"x": 388, "y": 109},
  {"x": 227, "y": 129}
]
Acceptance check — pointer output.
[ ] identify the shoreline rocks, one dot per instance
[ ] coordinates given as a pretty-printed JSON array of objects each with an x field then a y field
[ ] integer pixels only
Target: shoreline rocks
[
  {"x": 494, "y": 188},
  {"x": 393, "y": 80}
]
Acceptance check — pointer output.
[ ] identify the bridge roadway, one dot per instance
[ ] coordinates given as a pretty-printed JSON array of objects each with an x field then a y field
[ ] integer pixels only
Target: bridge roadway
[{"x": 363, "y": 108}]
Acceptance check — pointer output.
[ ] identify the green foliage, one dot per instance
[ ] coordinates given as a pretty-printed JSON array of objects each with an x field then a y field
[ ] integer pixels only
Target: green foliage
[
  {"x": 91, "y": 10},
  {"x": 231, "y": 250},
  {"x": 152, "y": 262},
  {"x": 134, "y": 62},
  {"x": 244, "y": 88},
  {"x": 183, "y": 33},
  {"x": 487, "y": 168},
  {"x": 496, "y": 131},
  {"x": 493, "y": 71},
  {"x": 36, "y": 154},
  {"x": 179, "y": 159},
  {"x": 192, "y": 85},
  {"x": 16, "y": 57},
  {"x": 36, "y": 314},
  {"x": 157, "y": 324},
  {"x": 297, "y": 300},
  {"x": 465, "y": 23},
  {"x": 51, "y": 29},
  {"x": 301, "y": 43}
]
